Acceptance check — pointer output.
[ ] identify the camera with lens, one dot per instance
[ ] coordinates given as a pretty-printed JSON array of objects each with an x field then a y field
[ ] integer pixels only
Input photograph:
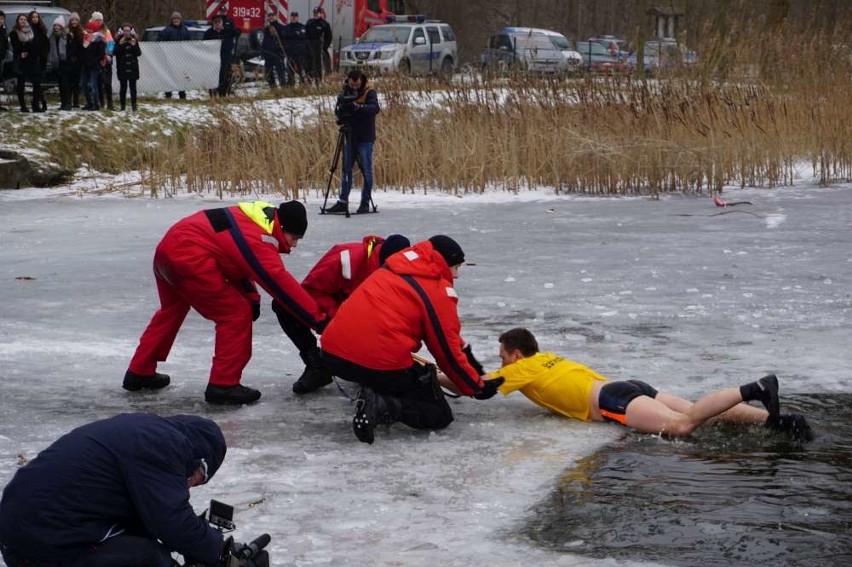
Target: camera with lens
[
  {"x": 221, "y": 516},
  {"x": 345, "y": 106}
]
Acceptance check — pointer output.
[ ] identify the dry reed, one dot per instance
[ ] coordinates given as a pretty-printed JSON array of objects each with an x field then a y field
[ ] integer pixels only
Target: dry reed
[{"x": 746, "y": 114}]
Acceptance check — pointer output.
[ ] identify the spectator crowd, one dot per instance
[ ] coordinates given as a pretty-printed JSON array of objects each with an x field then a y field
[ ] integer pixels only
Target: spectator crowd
[{"x": 82, "y": 59}]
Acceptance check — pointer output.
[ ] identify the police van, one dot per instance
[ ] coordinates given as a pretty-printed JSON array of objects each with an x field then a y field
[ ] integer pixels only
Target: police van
[{"x": 410, "y": 45}]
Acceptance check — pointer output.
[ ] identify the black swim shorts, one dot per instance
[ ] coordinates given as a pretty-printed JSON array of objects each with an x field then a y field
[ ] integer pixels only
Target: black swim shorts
[{"x": 615, "y": 396}]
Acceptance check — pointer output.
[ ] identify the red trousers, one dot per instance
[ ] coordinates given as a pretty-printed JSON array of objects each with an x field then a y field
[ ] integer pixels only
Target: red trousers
[{"x": 188, "y": 276}]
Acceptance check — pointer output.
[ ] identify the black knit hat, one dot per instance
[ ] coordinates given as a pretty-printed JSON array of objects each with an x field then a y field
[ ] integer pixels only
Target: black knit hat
[
  {"x": 293, "y": 218},
  {"x": 392, "y": 244},
  {"x": 448, "y": 248}
]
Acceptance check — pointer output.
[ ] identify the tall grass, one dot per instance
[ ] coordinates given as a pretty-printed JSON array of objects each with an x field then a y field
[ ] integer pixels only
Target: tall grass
[{"x": 749, "y": 113}]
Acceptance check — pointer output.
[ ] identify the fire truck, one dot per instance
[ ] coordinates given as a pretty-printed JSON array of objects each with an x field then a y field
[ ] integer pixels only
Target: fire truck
[{"x": 348, "y": 19}]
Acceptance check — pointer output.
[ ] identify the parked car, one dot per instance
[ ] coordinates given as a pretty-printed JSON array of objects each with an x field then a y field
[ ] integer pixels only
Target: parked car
[
  {"x": 663, "y": 54},
  {"x": 48, "y": 14},
  {"x": 598, "y": 59},
  {"x": 410, "y": 45},
  {"x": 529, "y": 49},
  {"x": 614, "y": 44},
  {"x": 248, "y": 44}
]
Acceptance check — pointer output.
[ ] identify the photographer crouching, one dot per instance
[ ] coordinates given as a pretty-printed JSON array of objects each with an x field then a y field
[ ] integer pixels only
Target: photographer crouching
[
  {"x": 115, "y": 493},
  {"x": 356, "y": 110}
]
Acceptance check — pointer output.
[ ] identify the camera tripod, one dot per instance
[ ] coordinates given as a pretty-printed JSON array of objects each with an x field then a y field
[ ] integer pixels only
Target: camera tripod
[{"x": 342, "y": 138}]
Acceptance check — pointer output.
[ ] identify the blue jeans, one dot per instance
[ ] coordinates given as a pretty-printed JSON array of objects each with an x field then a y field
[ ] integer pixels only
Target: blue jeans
[
  {"x": 363, "y": 153},
  {"x": 89, "y": 81}
]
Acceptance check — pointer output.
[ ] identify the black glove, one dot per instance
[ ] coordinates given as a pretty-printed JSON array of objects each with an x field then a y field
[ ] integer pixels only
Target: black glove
[
  {"x": 255, "y": 310},
  {"x": 489, "y": 388},
  {"x": 472, "y": 360}
]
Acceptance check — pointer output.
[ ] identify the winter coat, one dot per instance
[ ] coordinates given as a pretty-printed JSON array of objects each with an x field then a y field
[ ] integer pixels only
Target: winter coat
[
  {"x": 128, "y": 472},
  {"x": 27, "y": 56},
  {"x": 341, "y": 270},
  {"x": 126, "y": 56},
  {"x": 94, "y": 50},
  {"x": 317, "y": 30},
  {"x": 246, "y": 248},
  {"x": 362, "y": 122},
  {"x": 75, "y": 46},
  {"x": 174, "y": 33},
  {"x": 4, "y": 44},
  {"x": 408, "y": 302},
  {"x": 43, "y": 43},
  {"x": 228, "y": 34},
  {"x": 58, "y": 49},
  {"x": 295, "y": 40},
  {"x": 272, "y": 47}
]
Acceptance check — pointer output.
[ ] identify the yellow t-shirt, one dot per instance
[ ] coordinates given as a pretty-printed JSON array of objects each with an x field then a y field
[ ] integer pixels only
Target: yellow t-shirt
[{"x": 558, "y": 384}]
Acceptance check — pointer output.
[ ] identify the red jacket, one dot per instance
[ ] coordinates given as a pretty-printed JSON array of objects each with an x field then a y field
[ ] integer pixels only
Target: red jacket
[
  {"x": 247, "y": 246},
  {"x": 388, "y": 317},
  {"x": 341, "y": 270}
]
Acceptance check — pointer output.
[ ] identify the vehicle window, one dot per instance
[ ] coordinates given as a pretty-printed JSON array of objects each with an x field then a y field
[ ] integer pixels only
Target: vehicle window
[
  {"x": 498, "y": 41},
  {"x": 396, "y": 6},
  {"x": 418, "y": 33},
  {"x": 150, "y": 35},
  {"x": 448, "y": 34},
  {"x": 560, "y": 42},
  {"x": 434, "y": 36},
  {"x": 395, "y": 34}
]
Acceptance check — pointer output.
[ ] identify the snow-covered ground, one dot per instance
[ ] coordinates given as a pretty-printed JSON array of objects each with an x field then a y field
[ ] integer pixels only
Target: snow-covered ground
[{"x": 674, "y": 291}]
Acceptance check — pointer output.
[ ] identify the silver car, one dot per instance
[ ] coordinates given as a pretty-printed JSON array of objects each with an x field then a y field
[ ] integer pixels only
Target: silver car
[{"x": 417, "y": 47}]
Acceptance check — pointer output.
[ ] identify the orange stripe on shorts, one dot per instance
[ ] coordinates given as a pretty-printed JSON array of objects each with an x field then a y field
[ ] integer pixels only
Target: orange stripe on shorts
[{"x": 619, "y": 417}]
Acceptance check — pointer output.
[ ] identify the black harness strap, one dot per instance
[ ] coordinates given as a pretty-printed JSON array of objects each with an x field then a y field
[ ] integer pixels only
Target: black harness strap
[
  {"x": 218, "y": 219},
  {"x": 439, "y": 332}
]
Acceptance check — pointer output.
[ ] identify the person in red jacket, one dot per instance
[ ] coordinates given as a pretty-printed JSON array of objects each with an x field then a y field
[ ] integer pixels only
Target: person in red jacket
[
  {"x": 332, "y": 279},
  {"x": 211, "y": 261},
  {"x": 389, "y": 316}
]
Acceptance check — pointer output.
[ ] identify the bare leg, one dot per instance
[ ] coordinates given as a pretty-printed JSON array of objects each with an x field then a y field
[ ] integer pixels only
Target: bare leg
[
  {"x": 740, "y": 413},
  {"x": 651, "y": 415}
]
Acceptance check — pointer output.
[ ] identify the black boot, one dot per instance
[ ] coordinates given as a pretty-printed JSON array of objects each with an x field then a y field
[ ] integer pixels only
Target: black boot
[
  {"x": 338, "y": 208},
  {"x": 372, "y": 409},
  {"x": 794, "y": 425},
  {"x": 135, "y": 382},
  {"x": 315, "y": 376},
  {"x": 364, "y": 207},
  {"x": 766, "y": 391},
  {"x": 231, "y": 395}
]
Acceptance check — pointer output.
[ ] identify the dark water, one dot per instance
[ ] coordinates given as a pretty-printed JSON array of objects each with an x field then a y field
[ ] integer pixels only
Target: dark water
[{"x": 722, "y": 497}]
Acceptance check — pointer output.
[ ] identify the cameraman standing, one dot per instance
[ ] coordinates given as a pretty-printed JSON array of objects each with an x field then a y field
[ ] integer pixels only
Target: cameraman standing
[
  {"x": 356, "y": 111},
  {"x": 114, "y": 492}
]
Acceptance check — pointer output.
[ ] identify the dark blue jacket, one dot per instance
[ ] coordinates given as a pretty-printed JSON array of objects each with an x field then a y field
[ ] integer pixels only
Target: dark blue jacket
[
  {"x": 174, "y": 33},
  {"x": 295, "y": 40},
  {"x": 228, "y": 34},
  {"x": 272, "y": 47},
  {"x": 128, "y": 472},
  {"x": 362, "y": 123}
]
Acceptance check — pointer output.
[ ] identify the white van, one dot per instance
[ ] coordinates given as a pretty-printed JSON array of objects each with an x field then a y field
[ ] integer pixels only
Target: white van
[{"x": 530, "y": 49}]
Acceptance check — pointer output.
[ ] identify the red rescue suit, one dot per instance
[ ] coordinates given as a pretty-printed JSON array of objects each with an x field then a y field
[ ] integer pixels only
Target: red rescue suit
[
  {"x": 388, "y": 317},
  {"x": 340, "y": 270},
  {"x": 209, "y": 261}
]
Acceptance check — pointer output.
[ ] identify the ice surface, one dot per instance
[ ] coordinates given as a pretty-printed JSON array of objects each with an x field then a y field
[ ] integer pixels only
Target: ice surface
[{"x": 669, "y": 291}]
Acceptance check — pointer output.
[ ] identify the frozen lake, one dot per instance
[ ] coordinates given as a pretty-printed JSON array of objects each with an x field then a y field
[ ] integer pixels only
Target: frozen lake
[{"x": 669, "y": 291}]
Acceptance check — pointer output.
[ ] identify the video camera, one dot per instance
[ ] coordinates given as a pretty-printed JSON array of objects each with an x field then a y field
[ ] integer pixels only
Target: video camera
[
  {"x": 221, "y": 516},
  {"x": 345, "y": 106}
]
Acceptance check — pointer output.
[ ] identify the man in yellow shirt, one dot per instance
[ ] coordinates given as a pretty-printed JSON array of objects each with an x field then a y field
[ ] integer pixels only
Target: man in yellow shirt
[{"x": 568, "y": 388}]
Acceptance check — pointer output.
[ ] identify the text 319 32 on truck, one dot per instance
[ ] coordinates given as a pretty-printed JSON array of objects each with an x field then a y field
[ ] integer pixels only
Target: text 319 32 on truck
[{"x": 407, "y": 45}]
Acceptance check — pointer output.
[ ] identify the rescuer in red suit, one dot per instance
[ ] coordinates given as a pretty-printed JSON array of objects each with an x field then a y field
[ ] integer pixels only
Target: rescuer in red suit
[
  {"x": 332, "y": 279},
  {"x": 211, "y": 261},
  {"x": 375, "y": 331}
]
